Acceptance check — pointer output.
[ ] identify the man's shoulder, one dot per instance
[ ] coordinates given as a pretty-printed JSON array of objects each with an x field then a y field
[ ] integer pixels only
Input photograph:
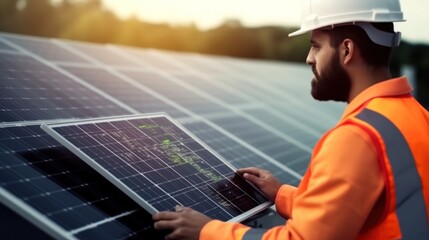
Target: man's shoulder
[{"x": 346, "y": 136}]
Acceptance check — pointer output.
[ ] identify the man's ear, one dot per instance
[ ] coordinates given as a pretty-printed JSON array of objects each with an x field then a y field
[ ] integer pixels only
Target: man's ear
[{"x": 348, "y": 50}]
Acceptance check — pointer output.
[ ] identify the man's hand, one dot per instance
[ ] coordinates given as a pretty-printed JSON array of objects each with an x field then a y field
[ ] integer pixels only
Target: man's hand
[
  {"x": 185, "y": 223},
  {"x": 263, "y": 179}
]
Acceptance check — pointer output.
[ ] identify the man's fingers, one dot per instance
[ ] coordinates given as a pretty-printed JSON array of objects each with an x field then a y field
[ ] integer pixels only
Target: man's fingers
[
  {"x": 179, "y": 208},
  {"x": 252, "y": 178},
  {"x": 162, "y": 225},
  {"x": 250, "y": 170},
  {"x": 165, "y": 220},
  {"x": 165, "y": 216}
]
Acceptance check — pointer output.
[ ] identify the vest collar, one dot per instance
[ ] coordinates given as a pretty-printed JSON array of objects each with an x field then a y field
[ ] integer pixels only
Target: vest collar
[{"x": 389, "y": 88}]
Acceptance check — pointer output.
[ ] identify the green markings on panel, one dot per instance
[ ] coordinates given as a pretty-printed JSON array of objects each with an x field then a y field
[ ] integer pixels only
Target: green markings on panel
[
  {"x": 148, "y": 126},
  {"x": 173, "y": 152}
]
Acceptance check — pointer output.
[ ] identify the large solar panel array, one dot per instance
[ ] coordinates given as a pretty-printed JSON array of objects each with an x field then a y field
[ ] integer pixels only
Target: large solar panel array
[{"x": 253, "y": 113}]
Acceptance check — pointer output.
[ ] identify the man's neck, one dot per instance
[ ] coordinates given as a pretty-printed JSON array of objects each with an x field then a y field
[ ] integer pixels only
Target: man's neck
[{"x": 362, "y": 80}]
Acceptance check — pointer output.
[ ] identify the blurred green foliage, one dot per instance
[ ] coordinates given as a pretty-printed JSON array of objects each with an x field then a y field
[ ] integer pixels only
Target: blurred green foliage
[{"x": 89, "y": 21}]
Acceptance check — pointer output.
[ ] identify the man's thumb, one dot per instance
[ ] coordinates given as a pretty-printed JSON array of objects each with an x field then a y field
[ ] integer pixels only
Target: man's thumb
[{"x": 252, "y": 178}]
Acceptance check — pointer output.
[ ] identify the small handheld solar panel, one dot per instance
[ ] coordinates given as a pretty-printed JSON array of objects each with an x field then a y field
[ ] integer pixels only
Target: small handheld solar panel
[{"x": 160, "y": 164}]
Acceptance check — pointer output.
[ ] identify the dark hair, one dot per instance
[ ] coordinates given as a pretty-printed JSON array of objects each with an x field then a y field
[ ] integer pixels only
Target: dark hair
[{"x": 373, "y": 54}]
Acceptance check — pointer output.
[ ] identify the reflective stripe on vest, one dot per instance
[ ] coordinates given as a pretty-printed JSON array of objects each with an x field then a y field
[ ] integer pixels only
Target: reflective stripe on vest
[
  {"x": 254, "y": 234},
  {"x": 410, "y": 204}
]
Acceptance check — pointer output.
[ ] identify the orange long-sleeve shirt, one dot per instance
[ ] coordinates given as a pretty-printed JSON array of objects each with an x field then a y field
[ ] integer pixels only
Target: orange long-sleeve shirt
[{"x": 344, "y": 182}]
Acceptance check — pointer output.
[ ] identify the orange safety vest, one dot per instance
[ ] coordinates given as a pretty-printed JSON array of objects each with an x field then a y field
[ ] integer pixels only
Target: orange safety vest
[{"x": 402, "y": 146}]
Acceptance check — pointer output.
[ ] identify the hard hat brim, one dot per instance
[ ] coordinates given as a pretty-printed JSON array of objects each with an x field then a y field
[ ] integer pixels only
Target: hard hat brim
[
  {"x": 377, "y": 36},
  {"x": 299, "y": 32}
]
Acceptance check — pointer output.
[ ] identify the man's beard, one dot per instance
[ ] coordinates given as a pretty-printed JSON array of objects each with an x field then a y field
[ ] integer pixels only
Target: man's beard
[{"x": 333, "y": 83}]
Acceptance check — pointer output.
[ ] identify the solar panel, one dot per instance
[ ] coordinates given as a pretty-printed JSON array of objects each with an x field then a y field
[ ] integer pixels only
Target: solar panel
[
  {"x": 45, "y": 48},
  {"x": 127, "y": 92},
  {"x": 5, "y": 47},
  {"x": 160, "y": 164},
  {"x": 51, "y": 187},
  {"x": 251, "y": 112},
  {"x": 32, "y": 91},
  {"x": 99, "y": 53}
]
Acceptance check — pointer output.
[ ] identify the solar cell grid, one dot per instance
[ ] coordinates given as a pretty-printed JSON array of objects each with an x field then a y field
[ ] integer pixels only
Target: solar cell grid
[
  {"x": 98, "y": 52},
  {"x": 4, "y": 46},
  {"x": 306, "y": 117},
  {"x": 136, "y": 98},
  {"x": 44, "y": 48},
  {"x": 191, "y": 62},
  {"x": 292, "y": 126},
  {"x": 211, "y": 88},
  {"x": 64, "y": 189},
  {"x": 271, "y": 144},
  {"x": 33, "y": 91},
  {"x": 276, "y": 100},
  {"x": 281, "y": 89},
  {"x": 328, "y": 112},
  {"x": 252, "y": 68},
  {"x": 267, "y": 114},
  {"x": 146, "y": 58},
  {"x": 175, "y": 92},
  {"x": 235, "y": 153},
  {"x": 235, "y": 83},
  {"x": 160, "y": 165},
  {"x": 13, "y": 224}
]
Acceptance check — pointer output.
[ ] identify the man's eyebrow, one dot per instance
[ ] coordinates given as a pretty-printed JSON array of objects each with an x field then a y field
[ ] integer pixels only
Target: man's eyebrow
[{"x": 312, "y": 41}]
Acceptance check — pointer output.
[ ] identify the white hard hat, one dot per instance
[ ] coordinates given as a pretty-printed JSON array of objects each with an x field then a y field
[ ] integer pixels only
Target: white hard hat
[{"x": 323, "y": 13}]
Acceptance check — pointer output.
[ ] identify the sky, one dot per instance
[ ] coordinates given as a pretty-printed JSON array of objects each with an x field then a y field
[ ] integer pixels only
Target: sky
[{"x": 206, "y": 14}]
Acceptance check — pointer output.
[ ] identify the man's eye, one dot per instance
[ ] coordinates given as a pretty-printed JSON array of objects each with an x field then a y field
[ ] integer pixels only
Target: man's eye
[{"x": 315, "y": 47}]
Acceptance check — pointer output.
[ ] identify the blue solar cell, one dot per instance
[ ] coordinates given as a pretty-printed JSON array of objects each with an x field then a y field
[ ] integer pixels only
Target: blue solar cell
[
  {"x": 124, "y": 91},
  {"x": 236, "y": 153},
  {"x": 33, "y": 91},
  {"x": 212, "y": 88},
  {"x": 269, "y": 143},
  {"x": 4, "y": 46},
  {"x": 305, "y": 133},
  {"x": 194, "y": 62},
  {"x": 64, "y": 189},
  {"x": 166, "y": 168},
  {"x": 13, "y": 225},
  {"x": 101, "y": 54},
  {"x": 175, "y": 92},
  {"x": 148, "y": 59},
  {"x": 44, "y": 48}
]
